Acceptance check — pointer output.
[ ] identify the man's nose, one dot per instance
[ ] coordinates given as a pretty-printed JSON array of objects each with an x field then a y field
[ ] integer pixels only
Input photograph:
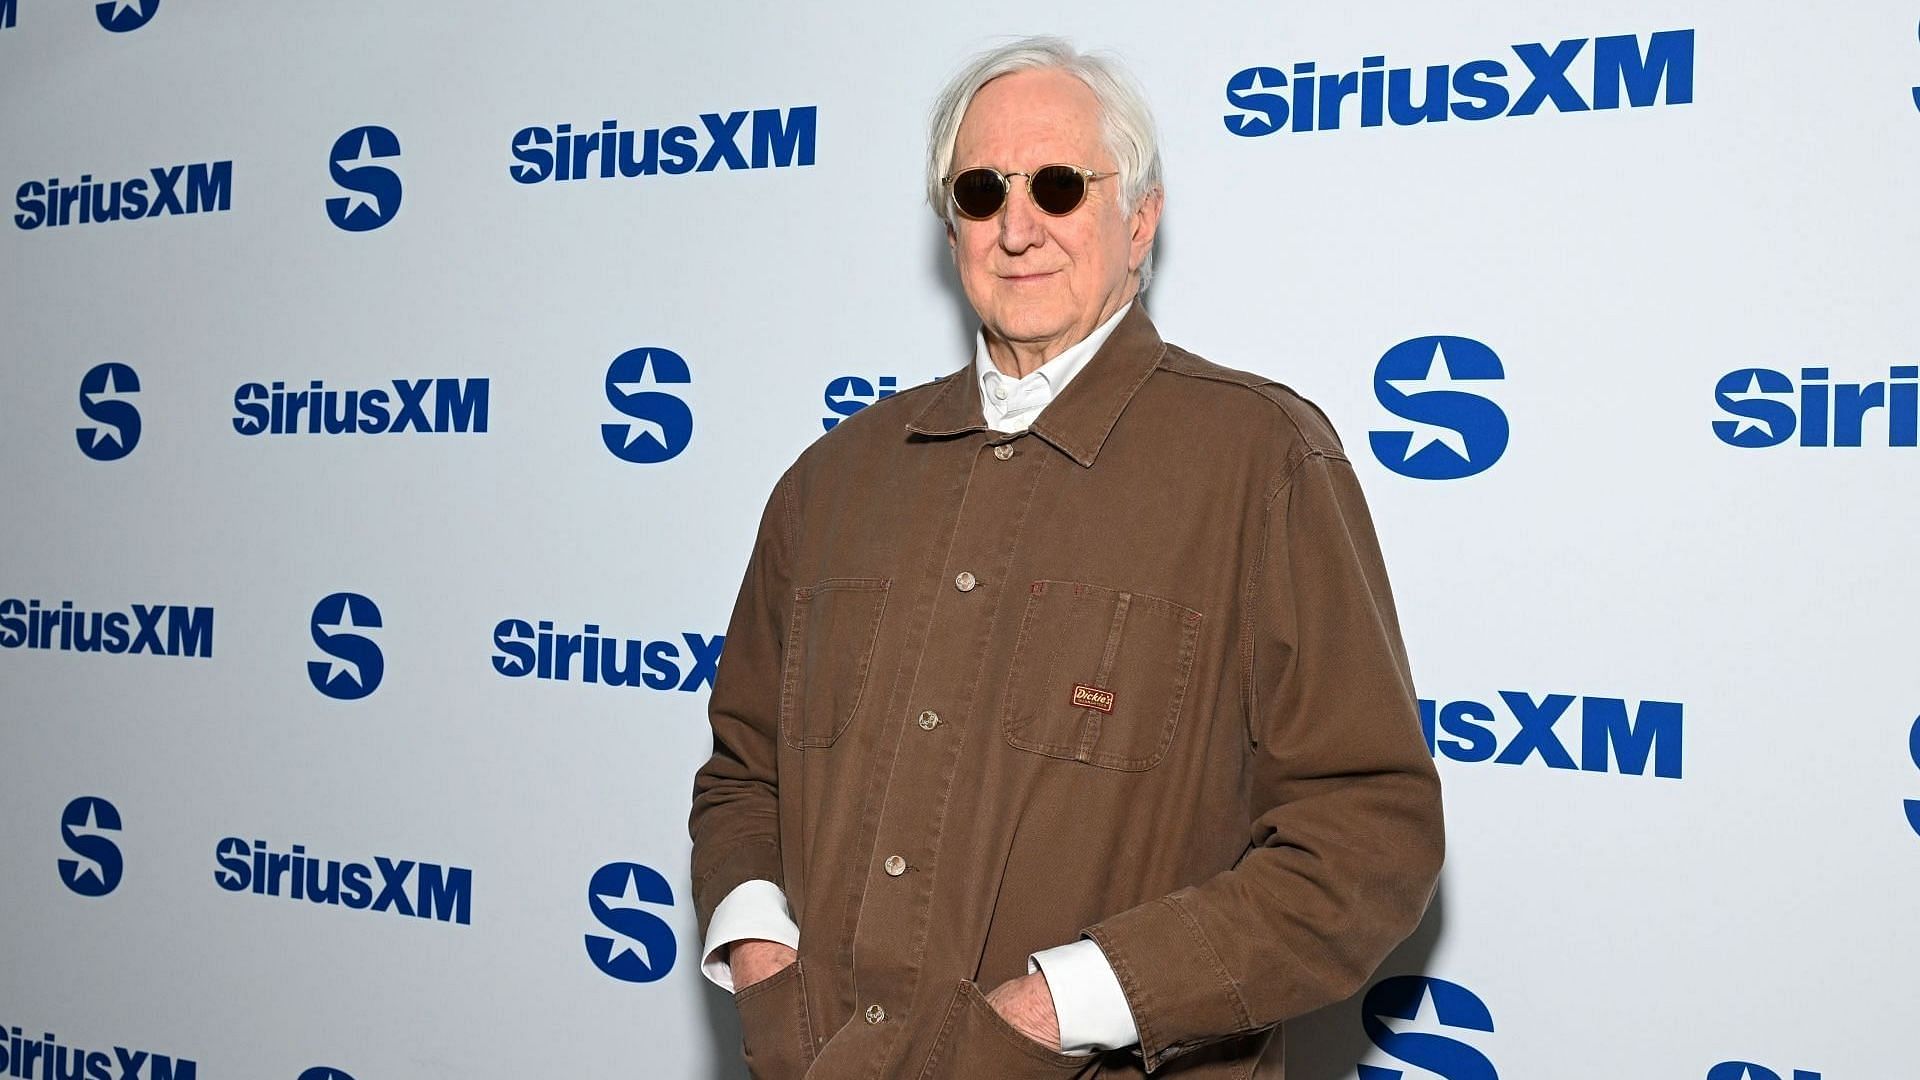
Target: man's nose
[{"x": 1021, "y": 224}]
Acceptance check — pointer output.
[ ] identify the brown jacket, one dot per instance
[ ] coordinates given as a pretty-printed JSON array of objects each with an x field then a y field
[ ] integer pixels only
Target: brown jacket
[{"x": 1134, "y": 674}]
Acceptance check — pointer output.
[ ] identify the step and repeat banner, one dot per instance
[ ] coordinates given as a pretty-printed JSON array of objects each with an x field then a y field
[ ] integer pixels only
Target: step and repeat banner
[{"x": 391, "y": 392}]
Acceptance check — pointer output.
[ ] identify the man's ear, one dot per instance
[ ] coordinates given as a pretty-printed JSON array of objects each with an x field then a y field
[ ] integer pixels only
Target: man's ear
[
  {"x": 1146, "y": 223},
  {"x": 953, "y": 241}
]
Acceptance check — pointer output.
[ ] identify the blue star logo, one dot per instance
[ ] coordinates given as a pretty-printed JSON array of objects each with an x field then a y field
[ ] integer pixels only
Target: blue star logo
[
  {"x": 1412, "y": 1018},
  {"x": 373, "y": 189},
  {"x": 120, "y": 16},
  {"x": 659, "y": 425},
  {"x": 354, "y": 665},
  {"x": 87, "y": 827},
  {"x": 107, "y": 398},
  {"x": 1447, "y": 429},
  {"x": 1253, "y": 83},
  {"x": 635, "y": 943}
]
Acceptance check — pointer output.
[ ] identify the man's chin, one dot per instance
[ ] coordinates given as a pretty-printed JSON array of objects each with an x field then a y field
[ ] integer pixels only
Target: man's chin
[{"x": 1026, "y": 323}]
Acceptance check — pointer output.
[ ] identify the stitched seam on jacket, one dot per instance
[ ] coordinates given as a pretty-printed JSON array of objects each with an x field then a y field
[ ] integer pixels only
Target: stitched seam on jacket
[
  {"x": 1248, "y": 693},
  {"x": 1130, "y": 989},
  {"x": 726, "y": 861},
  {"x": 1249, "y": 700},
  {"x": 1219, "y": 966},
  {"x": 742, "y": 846},
  {"x": 1120, "y": 406},
  {"x": 790, "y": 519},
  {"x": 1293, "y": 470},
  {"x": 1259, "y": 387}
]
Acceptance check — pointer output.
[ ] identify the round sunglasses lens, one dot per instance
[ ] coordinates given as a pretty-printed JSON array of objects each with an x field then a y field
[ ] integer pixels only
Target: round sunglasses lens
[
  {"x": 1057, "y": 189},
  {"x": 978, "y": 193}
]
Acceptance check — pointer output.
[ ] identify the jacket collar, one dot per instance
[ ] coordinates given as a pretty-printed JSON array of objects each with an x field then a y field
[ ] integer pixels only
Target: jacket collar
[{"x": 1078, "y": 421}]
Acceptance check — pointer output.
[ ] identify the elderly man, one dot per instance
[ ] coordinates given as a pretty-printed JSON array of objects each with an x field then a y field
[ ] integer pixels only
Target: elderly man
[{"x": 1064, "y": 727}]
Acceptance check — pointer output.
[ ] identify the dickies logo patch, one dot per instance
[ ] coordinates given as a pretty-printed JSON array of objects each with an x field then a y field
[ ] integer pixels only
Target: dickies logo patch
[{"x": 1092, "y": 697}]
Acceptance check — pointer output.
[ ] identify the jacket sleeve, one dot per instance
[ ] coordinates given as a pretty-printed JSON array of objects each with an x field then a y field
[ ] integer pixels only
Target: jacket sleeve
[
  {"x": 1345, "y": 831},
  {"x": 735, "y": 821}
]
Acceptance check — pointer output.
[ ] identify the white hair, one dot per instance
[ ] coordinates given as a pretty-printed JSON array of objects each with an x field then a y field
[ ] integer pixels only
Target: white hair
[{"x": 1125, "y": 120}]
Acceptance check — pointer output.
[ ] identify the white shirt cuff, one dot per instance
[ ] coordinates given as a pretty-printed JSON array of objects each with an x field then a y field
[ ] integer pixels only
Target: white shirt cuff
[
  {"x": 754, "y": 909},
  {"x": 1087, "y": 998}
]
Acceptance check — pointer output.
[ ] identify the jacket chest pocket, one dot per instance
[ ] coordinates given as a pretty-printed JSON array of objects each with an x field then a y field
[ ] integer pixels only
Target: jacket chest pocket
[
  {"x": 1099, "y": 674},
  {"x": 829, "y": 650}
]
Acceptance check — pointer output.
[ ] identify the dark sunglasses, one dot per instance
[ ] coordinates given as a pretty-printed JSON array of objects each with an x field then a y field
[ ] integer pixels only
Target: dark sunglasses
[{"x": 1056, "y": 189}]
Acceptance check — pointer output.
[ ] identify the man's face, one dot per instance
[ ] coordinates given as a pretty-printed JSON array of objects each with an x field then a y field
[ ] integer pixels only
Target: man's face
[{"x": 1041, "y": 282}]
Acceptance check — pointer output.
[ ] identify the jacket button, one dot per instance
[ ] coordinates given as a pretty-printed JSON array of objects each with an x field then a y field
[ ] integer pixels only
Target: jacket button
[
  {"x": 875, "y": 1014},
  {"x": 965, "y": 581},
  {"x": 929, "y": 720},
  {"x": 1003, "y": 451},
  {"x": 895, "y": 865}
]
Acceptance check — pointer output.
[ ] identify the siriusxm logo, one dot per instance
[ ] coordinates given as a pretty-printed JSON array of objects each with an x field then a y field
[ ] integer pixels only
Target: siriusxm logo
[
  {"x": 354, "y": 664},
  {"x": 1450, "y": 431},
  {"x": 641, "y": 947},
  {"x": 45, "y": 1059},
  {"x": 1913, "y": 751},
  {"x": 325, "y": 1072},
  {"x": 1614, "y": 736},
  {"x": 521, "y": 649},
  {"x": 84, "y": 826},
  {"x": 426, "y": 406},
  {"x": 106, "y": 397},
  {"x": 1824, "y": 412},
  {"x": 848, "y": 394},
  {"x": 121, "y": 16},
  {"x": 158, "y": 629},
  {"x": 661, "y": 424},
  {"x": 209, "y": 188},
  {"x": 419, "y": 890},
  {"x": 374, "y": 189},
  {"x": 1475, "y": 90},
  {"x": 775, "y": 138},
  {"x": 1400, "y": 1015},
  {"x": 1746, "y": 1070}
]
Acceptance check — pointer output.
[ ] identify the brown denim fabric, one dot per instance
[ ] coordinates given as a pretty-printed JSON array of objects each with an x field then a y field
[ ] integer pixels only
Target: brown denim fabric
[{"x": 1134, "y": 674}]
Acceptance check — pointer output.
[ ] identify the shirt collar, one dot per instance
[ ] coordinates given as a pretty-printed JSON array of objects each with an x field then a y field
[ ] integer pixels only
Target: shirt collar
[
  {"x": 1051, "y": 377},
  {"x": 1078, "y": 422}
]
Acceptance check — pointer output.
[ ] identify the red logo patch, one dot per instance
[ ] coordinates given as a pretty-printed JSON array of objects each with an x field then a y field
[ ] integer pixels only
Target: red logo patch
[{"x": 1092, "y": 697}]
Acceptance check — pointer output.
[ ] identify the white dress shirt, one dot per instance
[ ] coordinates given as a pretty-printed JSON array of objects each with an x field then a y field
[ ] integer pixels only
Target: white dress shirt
[{"x": 1087, "y": 998}]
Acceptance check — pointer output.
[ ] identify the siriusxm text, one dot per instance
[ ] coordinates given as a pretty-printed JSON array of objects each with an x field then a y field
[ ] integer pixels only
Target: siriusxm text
[
  {"x": 157, "y": 629},
  {"x": 773, "y": 138},
  {"x": 1615, "y": 735},
  {"x": 44, "y": 1058},
  {"x": 524, "y": 649},
  {"x": 421, "y": 890},
  {"x": 848, "y": 394},
  {"x": 1270, "y": 100},
  {"x": 426, "y": 406},
  {"x": 199, "y": 187},
  {"x": 1770, "y": 409}
]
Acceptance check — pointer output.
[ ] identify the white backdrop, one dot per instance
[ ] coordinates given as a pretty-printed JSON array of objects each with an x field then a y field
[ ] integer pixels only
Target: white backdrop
[{"x": 1640, "y": 272}]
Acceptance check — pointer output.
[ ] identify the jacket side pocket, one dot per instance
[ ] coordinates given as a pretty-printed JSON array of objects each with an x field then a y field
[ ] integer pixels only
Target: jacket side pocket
[
  {"x": 976, "y": 1042},
  {"x": 775, "y": 1030},
  {"x": 831, "y": 635}
]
